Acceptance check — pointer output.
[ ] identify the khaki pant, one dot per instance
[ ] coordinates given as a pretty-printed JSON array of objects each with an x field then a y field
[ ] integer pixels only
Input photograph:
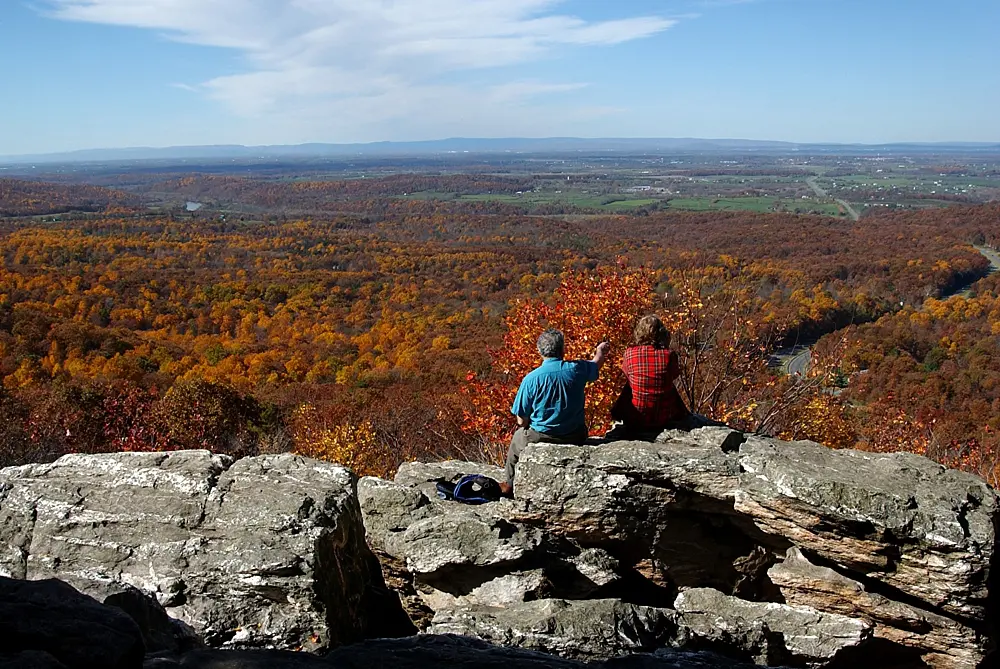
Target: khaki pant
[{"x": 525, "y": 436}]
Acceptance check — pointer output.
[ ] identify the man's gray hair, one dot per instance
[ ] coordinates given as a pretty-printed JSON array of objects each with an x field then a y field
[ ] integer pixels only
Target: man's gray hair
[{"x": 551, "y": 343}]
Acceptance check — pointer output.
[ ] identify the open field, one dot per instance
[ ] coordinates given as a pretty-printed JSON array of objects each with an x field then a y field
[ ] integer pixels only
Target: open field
[
  {"x": 625, "y": 202},
  {"x": 534, "y": 199},
  {"x": 561, "y": 184},
  {"x": 758, "y": 204}
]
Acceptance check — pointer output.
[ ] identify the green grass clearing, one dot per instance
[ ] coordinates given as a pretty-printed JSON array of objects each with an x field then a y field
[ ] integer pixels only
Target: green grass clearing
[
  {"x": 758, "y": 204},
  {"x": 623, "y": 203}
]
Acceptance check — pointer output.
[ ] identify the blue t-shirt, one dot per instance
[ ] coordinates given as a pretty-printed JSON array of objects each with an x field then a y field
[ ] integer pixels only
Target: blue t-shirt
[{"x": 551, "y": 397}]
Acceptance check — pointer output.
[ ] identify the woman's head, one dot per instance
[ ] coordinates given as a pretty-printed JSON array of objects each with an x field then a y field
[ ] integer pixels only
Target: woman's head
[{"x": 650, "y": 331}]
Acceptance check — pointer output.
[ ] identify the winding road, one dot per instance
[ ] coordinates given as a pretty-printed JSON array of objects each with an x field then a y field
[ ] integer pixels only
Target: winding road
[
  {"x": 795, "y": 361},
  {"x": 798, "y": 365},
  {"x": 821, "y": 193},
  {"x": 992, "y": 255}
]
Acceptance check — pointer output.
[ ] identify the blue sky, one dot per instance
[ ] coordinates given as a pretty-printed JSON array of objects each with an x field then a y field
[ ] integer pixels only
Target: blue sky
[{"x": 115, "y": 73}]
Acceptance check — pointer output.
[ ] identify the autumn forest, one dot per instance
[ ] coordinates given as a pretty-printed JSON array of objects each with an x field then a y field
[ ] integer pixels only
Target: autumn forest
[{"x": 360, "y": 321}]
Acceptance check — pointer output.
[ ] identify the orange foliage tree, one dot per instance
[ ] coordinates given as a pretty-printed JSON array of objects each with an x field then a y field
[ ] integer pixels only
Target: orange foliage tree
[{"x": 354, "y": 445}]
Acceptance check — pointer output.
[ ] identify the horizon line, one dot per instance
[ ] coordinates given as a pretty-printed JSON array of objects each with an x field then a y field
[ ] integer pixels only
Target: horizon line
[{"x": 774, "y": 143}]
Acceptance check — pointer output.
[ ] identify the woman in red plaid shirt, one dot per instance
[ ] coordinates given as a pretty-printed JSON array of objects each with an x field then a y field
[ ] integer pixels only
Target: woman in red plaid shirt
[{"x": 651, "y": 368}]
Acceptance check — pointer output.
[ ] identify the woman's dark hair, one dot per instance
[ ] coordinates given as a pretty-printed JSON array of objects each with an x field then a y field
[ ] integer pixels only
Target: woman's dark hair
[{"x": 650, "y": 331}]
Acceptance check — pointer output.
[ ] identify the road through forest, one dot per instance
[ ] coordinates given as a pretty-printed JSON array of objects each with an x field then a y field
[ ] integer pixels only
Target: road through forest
[
  {"x": 795, "y": 361},
  {"x": 820, "y": 192}
]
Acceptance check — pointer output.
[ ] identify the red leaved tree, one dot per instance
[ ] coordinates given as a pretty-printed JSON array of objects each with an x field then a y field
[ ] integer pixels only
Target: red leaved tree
[{"x": 589, "y": 307}]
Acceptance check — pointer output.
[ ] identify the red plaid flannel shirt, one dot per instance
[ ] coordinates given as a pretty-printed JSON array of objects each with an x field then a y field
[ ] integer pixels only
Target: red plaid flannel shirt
[{"x": 651, "y": 372}]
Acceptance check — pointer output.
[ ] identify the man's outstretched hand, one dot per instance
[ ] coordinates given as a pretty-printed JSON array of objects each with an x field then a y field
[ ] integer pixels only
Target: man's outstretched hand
[{"x": 601, "y": 354}]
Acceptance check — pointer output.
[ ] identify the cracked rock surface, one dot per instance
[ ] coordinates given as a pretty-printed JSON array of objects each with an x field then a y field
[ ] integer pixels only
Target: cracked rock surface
[
  {"x": 263, "y": 552},
  {"x": 766, "y": 551},
  {"x": 897, "y": 518},
  {"x": 702, "y": 550}
]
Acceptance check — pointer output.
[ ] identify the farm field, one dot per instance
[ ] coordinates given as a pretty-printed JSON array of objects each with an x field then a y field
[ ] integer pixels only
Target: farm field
[
  {"x": 551, "y": 185},
  {"x": 532, "y": 199},
  {"x": 758, "y": 204}
]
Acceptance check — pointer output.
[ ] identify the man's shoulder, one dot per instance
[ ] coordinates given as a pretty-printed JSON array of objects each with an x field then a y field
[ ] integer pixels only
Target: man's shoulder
[
  {"x": 535, "y": 374},
  {"x": 562, "y": 369},
  {"x": 532, "y": 374},
  {"x": 586, "y": 367}
]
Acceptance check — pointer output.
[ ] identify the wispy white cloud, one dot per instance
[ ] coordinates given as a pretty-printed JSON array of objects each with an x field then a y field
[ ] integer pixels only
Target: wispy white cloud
[{"x": 376, "y": 68}]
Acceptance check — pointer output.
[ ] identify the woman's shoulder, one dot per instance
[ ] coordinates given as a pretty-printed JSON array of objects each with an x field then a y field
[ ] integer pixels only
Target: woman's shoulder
[{"x": 642, "y": 348}]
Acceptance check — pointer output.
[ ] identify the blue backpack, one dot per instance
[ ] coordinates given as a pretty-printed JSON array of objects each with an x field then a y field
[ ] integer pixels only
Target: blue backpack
[{"x": 470, "y": 489}]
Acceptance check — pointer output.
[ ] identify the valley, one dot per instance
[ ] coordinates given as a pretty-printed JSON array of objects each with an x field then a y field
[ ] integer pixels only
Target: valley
[{"x": 360, "y": 311}]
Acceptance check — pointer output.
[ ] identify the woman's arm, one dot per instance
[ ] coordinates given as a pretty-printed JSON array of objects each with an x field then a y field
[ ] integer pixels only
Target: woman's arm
[{"x": 673, "y": 366}]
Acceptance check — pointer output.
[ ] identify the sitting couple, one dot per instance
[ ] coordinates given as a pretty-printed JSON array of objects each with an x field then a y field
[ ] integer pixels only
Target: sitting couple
[{"x": 549, "y": 403}]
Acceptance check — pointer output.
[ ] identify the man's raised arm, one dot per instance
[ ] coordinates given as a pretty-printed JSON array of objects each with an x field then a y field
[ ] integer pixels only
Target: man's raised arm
[{"x": 601, "y": 354}]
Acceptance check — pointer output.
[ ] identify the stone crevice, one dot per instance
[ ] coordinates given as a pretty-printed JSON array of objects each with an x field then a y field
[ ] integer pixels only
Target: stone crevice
[{"x": 888, "y": 591}]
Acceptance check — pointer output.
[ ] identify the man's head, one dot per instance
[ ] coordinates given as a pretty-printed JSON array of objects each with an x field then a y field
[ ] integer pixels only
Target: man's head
[
  {"x": 650, "y": 331},
  {"x": 551, "y": 343}
]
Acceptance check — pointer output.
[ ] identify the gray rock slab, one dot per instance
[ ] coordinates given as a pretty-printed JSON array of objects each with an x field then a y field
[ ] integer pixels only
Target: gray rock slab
[
  {"x": 666, "y": 509},
  {"x": 945, "y": 642},
  {"x": 898, "y": 518},
  {"x": 446, "y": 550},
  {"x": 588, "y": 629},
  {"x": 618, "y": 489},
  {"x": 711, "y": 510},
  {"x": 263, "y": 552},
  {"x": 470, "y": 539},
  {"x": 771, "y": 632}
]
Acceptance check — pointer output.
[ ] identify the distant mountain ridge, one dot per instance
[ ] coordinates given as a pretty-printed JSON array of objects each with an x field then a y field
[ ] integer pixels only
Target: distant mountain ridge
[{"x": 488, "y": 146}]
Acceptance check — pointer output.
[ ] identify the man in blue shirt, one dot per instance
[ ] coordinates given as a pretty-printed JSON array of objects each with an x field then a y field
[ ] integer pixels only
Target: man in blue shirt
[{"x": 549, "y": 403}]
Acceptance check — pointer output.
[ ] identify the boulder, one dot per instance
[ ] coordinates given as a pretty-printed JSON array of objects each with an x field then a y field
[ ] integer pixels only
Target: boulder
[
  {"x": 262, "y": 552},
  {"x": 716, "y": 524},
  {"x": 464, "y": 543},
  {"x": 443, "y": 554},
  {"x": 920, "y": 529},
  {"x": 463, "y": 652},
  {"x": 48, "y": 623},
  {"x": 713, "y": 436},
  {"x": 597, "y": 492},
  {"x": 588, "y": 629},
  {"x": 942, "y": 642},
  {"x": 653, "y": 506},
  {"x": 768, "y": 632}
]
